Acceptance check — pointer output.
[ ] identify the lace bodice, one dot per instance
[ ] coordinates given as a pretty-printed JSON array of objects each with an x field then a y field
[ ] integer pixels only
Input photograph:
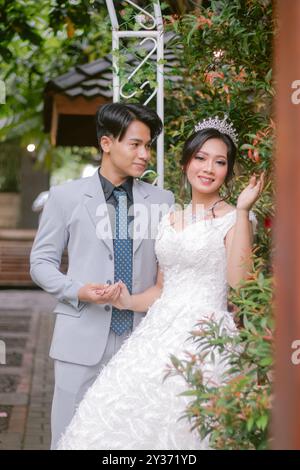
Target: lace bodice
[{"x": 193, "y": 260}]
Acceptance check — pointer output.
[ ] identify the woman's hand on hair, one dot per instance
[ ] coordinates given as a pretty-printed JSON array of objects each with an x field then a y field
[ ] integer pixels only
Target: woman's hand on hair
[{"x": 251, "y": 193}]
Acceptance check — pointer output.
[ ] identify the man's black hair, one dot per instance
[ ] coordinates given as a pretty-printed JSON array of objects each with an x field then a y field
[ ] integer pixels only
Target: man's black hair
[{"x": 113, "y": 119}]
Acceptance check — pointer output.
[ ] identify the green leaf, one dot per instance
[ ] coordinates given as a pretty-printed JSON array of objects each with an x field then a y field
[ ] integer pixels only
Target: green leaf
[
  {"x": 262, "y": 422},
  {"x": 266, "y": 361}
]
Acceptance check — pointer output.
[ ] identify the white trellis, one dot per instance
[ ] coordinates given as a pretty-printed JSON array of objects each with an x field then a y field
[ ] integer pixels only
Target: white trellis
[{"x": 151, "y": 29}]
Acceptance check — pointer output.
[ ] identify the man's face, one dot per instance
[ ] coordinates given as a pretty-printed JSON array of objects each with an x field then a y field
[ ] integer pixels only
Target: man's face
[{"x": 131, "y": 155}]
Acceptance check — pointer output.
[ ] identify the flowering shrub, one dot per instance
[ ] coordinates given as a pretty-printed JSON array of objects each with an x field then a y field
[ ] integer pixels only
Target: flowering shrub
[{"x": 226, "y": 67}]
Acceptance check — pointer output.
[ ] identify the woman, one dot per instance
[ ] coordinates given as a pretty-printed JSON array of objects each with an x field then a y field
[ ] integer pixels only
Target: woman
[{"x": 200, "y": 250}]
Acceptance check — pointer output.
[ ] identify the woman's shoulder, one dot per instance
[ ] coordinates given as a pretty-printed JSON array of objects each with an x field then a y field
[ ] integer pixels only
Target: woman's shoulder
[
  {"x": 176, "y": 218},
  {"x": 175, "y": 214},
  {"x": 228, "y": 217}
]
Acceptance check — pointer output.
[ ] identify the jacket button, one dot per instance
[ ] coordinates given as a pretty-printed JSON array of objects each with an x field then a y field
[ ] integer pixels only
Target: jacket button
[
  {"x": 107, "y": 308},
  {"x": 110, "y": 257},
  {"x": 108, "y": 282}
]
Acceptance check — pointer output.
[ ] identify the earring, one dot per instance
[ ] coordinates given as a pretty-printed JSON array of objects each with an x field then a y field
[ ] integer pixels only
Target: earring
[
  {"x": 186, "y": 183},
  {"x": 185, "y": 187}
]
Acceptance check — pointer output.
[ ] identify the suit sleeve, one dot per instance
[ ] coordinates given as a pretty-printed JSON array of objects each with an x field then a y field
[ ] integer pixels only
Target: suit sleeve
[{"x": 46, "y": 254}]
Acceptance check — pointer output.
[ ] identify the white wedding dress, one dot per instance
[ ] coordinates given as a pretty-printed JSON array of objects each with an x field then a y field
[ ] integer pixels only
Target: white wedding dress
[{"x": 129, "y": 406}]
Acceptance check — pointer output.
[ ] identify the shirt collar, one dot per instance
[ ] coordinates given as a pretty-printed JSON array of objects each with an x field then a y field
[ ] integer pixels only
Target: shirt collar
[{"x": 108, "y": 187}]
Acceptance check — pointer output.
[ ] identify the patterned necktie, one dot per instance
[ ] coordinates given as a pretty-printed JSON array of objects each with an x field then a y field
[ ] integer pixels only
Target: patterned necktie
[{"x": 122, "y": 320}]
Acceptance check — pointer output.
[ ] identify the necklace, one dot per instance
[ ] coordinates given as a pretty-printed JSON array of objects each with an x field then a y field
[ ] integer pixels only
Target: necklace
[{"x": 205, "y": 212}]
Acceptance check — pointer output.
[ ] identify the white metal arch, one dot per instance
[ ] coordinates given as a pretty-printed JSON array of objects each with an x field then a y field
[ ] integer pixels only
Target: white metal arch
[{"x": 150, "y": 29}]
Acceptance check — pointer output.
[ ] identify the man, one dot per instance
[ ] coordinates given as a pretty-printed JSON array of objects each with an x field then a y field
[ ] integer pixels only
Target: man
[{"x": 87, "y": 216}]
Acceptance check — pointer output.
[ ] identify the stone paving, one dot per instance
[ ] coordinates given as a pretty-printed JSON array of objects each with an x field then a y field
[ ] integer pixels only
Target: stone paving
[{"x": 26, "y": 378}]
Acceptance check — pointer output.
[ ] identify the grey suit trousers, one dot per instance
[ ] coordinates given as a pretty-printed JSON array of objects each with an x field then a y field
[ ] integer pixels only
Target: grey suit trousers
[{"x": 71, "y": 384}]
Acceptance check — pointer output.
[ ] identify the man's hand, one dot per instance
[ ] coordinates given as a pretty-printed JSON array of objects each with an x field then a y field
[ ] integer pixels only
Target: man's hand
[
  {"x": 124, "y": 300},
  {"x": 99, "y": 293}
]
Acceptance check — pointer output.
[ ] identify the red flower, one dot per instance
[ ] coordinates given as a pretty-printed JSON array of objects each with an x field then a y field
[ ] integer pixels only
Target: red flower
[
  {"x": 268, "y": 338},
  {"x": 209, "y": 77},
  {"x": 201, "y": 20},
  {"x": 254, "y": 155},
  {"x": 268, "y": 222}
]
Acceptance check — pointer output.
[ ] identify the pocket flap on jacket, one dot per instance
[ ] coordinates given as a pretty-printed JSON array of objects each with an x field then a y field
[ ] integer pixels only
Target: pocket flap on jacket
[{"x": 67, "y": 309}]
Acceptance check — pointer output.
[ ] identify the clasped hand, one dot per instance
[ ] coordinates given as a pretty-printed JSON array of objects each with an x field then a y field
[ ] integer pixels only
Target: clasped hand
[{"x": 116, "y": 294}]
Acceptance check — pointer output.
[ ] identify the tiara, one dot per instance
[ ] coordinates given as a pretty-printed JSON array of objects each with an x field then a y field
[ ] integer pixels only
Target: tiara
[{"x": 224, "y": 126}]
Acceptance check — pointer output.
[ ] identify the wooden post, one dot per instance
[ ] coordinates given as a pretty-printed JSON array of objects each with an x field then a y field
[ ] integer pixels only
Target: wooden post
[{"x": 286, "y": 416}]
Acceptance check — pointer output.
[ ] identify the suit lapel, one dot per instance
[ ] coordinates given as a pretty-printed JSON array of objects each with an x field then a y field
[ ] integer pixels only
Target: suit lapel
[
  {"x": 141, "y": 211},
  {"x": 97, "y": 208}
]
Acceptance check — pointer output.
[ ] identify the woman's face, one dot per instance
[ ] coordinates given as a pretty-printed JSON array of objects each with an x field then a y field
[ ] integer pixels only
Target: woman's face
[{"x": 208, "y": 168}]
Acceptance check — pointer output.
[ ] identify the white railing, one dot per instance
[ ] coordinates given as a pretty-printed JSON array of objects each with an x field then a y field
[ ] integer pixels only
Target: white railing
[{"x": 150, "y": 29}]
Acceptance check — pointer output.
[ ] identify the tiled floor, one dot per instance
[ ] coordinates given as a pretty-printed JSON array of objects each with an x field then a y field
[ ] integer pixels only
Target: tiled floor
[{"x": 26, "y": 379}]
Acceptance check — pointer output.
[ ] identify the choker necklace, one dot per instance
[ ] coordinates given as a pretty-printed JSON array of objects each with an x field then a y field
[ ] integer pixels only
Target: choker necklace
[{"x": 205, "y": 212}]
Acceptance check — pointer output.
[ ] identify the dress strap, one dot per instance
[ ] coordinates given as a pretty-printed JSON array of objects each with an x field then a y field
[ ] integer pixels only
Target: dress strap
[{"x": 229, "y": 220}]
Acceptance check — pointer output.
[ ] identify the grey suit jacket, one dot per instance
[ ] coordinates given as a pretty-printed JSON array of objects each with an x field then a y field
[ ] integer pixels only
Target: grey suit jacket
[{"x": 76, "y": 217}]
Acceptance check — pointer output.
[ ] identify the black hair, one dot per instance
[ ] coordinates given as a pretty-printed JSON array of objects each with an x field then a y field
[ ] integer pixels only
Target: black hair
[
  {"x": 113, "y": 119},
  {"x": 195, "y": 142}
]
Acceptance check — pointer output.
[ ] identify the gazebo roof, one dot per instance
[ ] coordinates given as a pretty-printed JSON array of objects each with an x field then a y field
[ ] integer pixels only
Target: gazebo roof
[{"x": 71, "y": 100}]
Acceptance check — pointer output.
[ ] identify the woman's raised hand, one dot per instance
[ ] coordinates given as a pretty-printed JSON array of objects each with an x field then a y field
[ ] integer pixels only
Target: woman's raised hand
[{"x": 251, "y": 193}]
